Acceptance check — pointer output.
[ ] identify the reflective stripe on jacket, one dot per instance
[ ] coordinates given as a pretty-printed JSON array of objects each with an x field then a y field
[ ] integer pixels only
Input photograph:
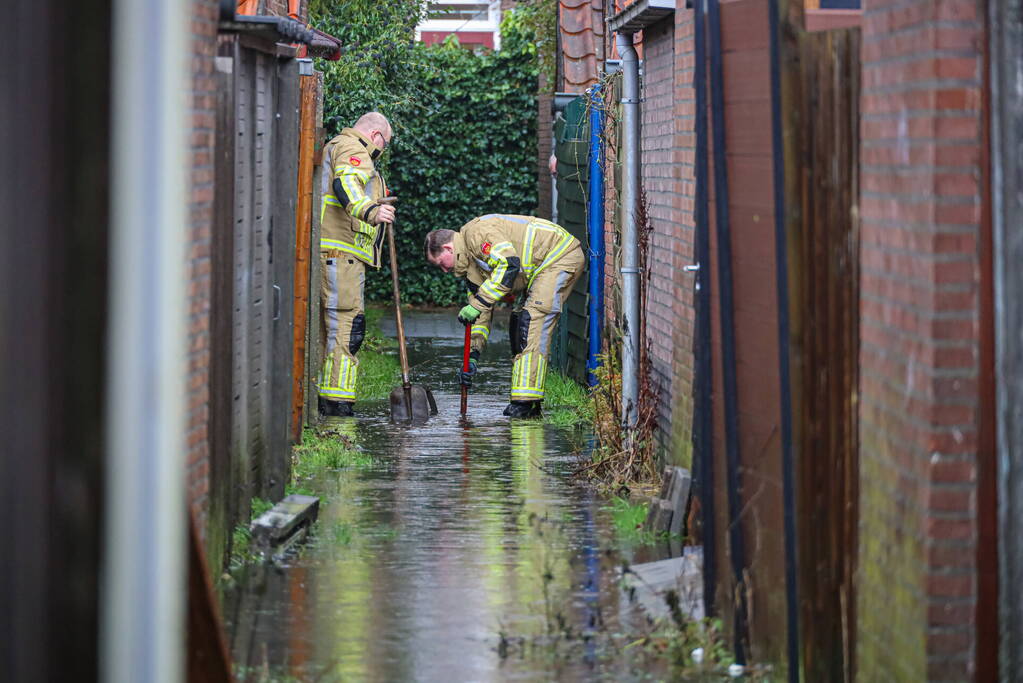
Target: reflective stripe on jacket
[
  {"x": 504, "y": 252},
  {"x": 347, "y": 223}
]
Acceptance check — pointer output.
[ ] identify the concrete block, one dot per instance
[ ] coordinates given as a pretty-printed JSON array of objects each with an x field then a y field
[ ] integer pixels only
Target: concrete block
[
  {"x": 285, "y": 523},
  {"x": 678, "y": 497},
  {"x": 651, "y": 582},
  {"x": 658, "y": 518}
]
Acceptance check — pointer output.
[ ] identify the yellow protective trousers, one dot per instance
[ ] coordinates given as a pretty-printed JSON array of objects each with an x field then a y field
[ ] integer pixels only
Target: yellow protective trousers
[
  {"x": 537, "y": 322},
  {"x": 342, "y": 323}
]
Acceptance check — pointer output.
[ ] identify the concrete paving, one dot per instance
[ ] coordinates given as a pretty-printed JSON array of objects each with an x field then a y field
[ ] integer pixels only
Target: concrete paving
[{"x": 429, "y": 324}]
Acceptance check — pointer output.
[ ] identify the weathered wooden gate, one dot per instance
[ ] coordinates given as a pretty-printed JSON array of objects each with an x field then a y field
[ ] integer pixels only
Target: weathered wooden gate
[{"x": 253, "y": 273}]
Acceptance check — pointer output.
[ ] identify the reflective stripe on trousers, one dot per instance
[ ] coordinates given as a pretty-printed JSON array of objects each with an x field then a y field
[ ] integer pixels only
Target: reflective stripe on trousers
[
  {"x": 544, "y": 302},
  {"x": 341, "y": 304}
]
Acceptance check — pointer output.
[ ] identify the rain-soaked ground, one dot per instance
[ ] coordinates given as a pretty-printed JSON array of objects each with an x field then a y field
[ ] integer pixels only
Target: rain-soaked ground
[{"x": 451, "y": 556}]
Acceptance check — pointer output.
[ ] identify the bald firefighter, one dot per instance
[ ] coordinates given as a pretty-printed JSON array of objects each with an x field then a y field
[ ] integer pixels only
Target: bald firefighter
[
  {"x": 499, "y": 255},
  {"x": 351, "y": 235}
]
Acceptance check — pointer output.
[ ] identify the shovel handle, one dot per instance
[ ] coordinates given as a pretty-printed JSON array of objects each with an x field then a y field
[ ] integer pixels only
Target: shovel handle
[
  {"x": 465, "y": 368},
  {"x": 402, "y": 353}
]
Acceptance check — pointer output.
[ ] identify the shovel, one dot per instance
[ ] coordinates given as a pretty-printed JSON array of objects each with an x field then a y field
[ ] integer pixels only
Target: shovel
[{"x": 409, "y": 402}]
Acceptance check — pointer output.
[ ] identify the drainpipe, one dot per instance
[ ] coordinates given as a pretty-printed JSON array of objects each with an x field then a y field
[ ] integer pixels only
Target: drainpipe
[
  {"x": 142, "y": 577},
  {"x": 784, "y": 375},
  {"x": 704, "y": 408},
  {"x": 630, "y": 242},
  {"x": 596, "y": 230}
]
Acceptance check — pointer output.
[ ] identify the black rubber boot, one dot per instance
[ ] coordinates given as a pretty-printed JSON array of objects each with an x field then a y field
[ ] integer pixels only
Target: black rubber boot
[
  {"x": 330, "y": 408},
  {"x": 523, "y": 409}
]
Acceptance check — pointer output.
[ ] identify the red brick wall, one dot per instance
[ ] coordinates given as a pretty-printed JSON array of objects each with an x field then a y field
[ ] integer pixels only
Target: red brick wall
[
  {"x": 203, "y": 111},
  {"x": 659, "y": 188},
  {"x": 668, "y": 307},
  {"x": 544, "y": 131},
  {"x": 921, "y": 212},
  {"x": 684, "y": 248}
]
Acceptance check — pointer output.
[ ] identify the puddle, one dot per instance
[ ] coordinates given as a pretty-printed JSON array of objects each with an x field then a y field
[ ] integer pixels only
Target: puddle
[{"x": 455, "y": 534}]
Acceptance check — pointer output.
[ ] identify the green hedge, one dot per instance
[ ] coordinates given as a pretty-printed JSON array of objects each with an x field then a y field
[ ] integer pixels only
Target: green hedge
[{"x": 465, "y": 133}]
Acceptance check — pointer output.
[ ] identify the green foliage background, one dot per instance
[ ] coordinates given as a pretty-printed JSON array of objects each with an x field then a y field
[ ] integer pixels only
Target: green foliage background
[{"x": 464, "y": 124}]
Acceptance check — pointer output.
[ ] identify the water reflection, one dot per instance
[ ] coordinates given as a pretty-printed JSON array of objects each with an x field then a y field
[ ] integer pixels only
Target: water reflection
[{"x": 458, "y": 532}]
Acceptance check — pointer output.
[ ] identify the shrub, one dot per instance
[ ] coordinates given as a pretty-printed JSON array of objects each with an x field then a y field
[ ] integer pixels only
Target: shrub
[{"x": 464, "y": 125}]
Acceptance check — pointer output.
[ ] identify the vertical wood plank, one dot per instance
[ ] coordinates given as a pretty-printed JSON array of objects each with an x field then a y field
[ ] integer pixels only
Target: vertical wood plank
[
  {"x": 284, "y": 179},
  {"x": 827, "y": 117},
  {"x": 314, "y": 338},
  {"x": 223, "y": 514},
  {"x": 303, "y": 254},
  {"x": 243, "y": 318}
]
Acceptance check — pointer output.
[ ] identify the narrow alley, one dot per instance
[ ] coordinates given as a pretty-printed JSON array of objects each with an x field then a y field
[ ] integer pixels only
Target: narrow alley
[{"x": 730, "y": 284}]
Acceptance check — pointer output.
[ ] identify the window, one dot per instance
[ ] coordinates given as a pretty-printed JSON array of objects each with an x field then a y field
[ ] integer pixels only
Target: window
[{"x": 475, "y": 22}]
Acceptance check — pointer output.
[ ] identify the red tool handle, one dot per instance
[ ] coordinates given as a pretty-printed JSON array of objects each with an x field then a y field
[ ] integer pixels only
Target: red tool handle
[{"x": 465, "y": 368}]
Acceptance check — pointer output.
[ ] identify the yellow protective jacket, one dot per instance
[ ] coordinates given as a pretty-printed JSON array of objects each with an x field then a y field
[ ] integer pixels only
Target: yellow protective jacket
[
  {"x": 348, "y": 222},
  {"x": 499, "y": 255}
]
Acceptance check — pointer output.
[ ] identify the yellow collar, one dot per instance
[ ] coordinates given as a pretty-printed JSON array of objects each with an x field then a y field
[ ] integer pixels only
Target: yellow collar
[{"x": 371, "y": 147}]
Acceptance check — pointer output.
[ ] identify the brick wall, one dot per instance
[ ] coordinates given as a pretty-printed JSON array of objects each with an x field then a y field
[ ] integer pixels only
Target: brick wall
[
  {"x": 203, "y": 112},
  {"x": 667, "y": 173},
  {"x": 683, "y": 208},
  {"x": 544, "y": 131},
  {"x": 921, "y": 212},
  {"x": 659, "y": 188}
]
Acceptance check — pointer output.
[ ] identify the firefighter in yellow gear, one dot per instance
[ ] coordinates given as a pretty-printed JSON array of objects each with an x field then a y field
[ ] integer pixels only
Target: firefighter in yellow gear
[
  {"x": 351, "y": 234},
  {"x": 500, "y": 254}
]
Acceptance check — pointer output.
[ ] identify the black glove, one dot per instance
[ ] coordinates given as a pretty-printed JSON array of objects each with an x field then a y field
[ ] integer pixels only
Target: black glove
[{"x": 465, "y": 377}]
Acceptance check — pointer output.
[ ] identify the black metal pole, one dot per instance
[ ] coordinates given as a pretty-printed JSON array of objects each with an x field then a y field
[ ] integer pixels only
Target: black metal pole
[
  {"x": 782, "y": 278},
  {"x": 704, "y": 373},
  {"x": 726, "y": 313}
]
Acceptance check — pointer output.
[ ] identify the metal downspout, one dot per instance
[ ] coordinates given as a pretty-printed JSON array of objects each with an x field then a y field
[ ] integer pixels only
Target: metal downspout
[
  {"x": 142, "y": 563},
  {"x": 630, "y": 235},
  {"x": 704, "y": 346},
  {"x": 595, "y": 228},
  {"x": 726, "y": 310}
]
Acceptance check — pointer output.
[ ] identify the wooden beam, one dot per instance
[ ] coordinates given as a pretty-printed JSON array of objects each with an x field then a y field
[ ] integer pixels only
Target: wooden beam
[{"x": 303, "y": 232}]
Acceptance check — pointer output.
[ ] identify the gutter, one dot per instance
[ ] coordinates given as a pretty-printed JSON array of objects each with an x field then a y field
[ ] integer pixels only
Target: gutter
[{"x": 278, "y": 30}]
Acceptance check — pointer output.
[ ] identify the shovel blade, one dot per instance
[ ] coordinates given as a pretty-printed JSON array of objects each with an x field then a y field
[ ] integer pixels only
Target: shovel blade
[{"x": 423, "y": 405}]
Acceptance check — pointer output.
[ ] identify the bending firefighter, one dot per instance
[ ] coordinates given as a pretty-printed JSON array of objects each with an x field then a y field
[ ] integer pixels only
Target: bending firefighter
[
  {"x": 500, "y": 255},
  {"x": 351, "y": 237}
]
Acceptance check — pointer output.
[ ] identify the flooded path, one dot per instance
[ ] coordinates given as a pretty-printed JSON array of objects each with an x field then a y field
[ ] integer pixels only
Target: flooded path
[{"x": 452, "y": 554}]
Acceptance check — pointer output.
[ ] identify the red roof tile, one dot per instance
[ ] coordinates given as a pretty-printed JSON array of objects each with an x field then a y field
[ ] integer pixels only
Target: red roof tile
[{"x": 582, "y": 36}]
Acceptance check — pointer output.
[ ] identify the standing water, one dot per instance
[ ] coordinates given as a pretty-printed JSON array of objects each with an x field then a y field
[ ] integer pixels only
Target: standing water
[{"x": 453, "y": 551}]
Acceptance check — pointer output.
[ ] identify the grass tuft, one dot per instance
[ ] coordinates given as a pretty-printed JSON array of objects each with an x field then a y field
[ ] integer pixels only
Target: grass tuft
[
  {"x": 379, "y": 367},
  {"x": 327, "y": 448},
  {"x": 566, "y": 403}
]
